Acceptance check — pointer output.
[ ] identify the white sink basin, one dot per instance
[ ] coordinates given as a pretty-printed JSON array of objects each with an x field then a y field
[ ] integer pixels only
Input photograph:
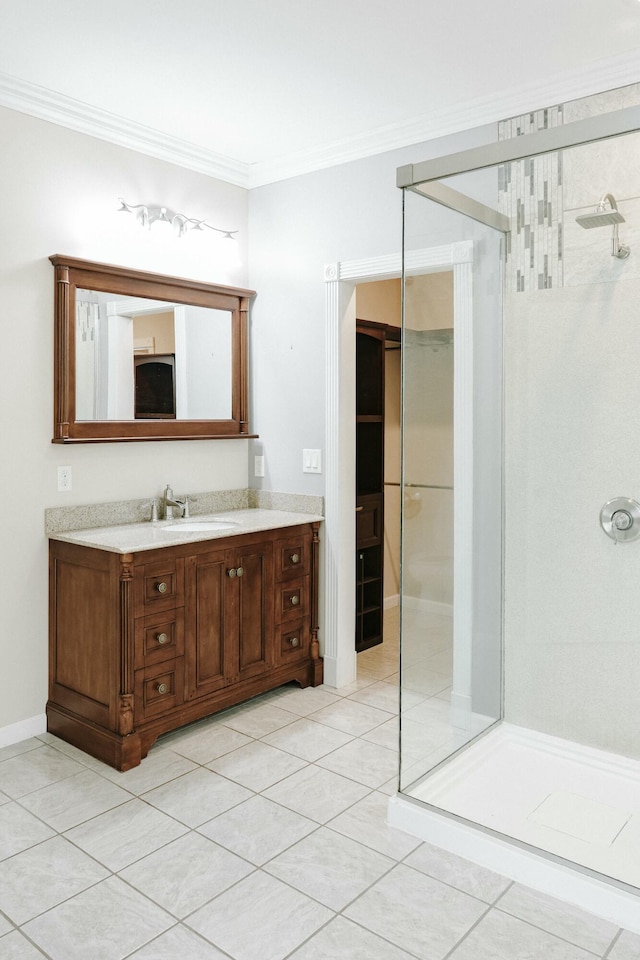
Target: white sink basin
[{"x": 198, "y": 526}]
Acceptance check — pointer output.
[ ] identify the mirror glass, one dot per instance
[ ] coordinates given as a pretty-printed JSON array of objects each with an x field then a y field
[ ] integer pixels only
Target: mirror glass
[
  {"x": 138, "y": 359},
  {"x": 144, "y": 356}
]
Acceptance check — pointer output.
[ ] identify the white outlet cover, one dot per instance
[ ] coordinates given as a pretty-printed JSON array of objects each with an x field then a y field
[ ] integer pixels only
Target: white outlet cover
[{"x": 65, "y": 479}]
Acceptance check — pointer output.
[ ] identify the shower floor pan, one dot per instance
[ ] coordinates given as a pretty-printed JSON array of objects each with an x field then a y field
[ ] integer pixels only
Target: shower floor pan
[{"x": 572, "y": 801}]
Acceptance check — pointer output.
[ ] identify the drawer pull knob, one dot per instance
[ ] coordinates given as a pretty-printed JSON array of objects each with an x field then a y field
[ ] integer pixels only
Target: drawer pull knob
[
  {"x": 294, "y": 641},
  {"x": 239, "y": 572},
  {"x": 295, "y": 558},
  {"x": 161, "y": 687},
  {"x": 231, "y": 573},
  {"x": 162, "y": 587},
  {"x": 295, "y": 600},
  {"x": 162, "y": 638}
]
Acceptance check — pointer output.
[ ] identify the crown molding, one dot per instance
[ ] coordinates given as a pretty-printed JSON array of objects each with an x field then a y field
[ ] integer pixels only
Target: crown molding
[
  {"x": 559, "y": 88},
  {"x": 37, "y": 101}
]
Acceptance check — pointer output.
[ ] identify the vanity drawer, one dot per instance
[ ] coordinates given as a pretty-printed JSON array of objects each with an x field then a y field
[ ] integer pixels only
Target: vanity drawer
[
  {"x": 159, "y": 586},
  {"x": 293, "y": 557},
  {"x": 158, "y": 689},
  {"x": 292, "y": 600},
  {"x": 292, "y": 641},
  {"x": 159, "y": 637}
]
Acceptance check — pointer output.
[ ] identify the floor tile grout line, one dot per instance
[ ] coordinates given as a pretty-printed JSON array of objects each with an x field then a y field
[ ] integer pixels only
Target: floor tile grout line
[
  {"x": 200, "y": 906},
  {"x": 447, "y": 883},
  {"x": 473, "y": 927},
  {"x": 617, "y": 937},
  {"x": 260, "y": 866},
  {"x": 55, "y": 906},
  {"x": 551, "y": 933},
  {"x": 336, "y": 912},
  {"x": 508, "y": 887},
  {"x": 37, "y": 946},
  {"x": 317, "y": 826},
  {"x": 396, "y": 946}
]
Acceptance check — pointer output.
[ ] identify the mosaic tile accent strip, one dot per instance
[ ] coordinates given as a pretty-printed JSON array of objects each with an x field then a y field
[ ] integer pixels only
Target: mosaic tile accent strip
[
  {"x": 530, "y": 194},
  {"x": 87, "y": 314}
]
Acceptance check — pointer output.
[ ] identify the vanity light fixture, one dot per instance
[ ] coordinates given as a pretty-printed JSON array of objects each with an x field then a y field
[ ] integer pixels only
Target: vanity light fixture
[{"x": 178, "y": 222}]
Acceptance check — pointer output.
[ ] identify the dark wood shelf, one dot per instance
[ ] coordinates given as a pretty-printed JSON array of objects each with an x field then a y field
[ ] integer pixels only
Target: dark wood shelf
[{"x": 370, "y": 340}]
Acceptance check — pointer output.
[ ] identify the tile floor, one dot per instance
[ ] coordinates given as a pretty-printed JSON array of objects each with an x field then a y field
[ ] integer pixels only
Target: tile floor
[{"x": 258, "y": 834}]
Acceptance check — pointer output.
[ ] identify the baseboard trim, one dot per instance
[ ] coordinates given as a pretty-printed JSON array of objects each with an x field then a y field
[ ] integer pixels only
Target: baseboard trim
[
  {"x": 339, "y": 672},
  {"x": 23, "y": 730}
]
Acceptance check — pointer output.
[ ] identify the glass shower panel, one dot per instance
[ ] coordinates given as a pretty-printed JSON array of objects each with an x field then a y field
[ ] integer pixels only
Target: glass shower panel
[
  {"x": 536, "y": 735},
  {"x": 451, "y": 514}
]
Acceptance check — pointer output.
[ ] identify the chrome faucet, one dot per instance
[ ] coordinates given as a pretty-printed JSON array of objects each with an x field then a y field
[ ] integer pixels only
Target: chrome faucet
[{"x": 172, "y": 503}]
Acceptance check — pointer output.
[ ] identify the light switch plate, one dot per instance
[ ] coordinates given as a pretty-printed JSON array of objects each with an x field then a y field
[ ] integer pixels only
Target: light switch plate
[
  {"x": 311, "y": 461},
  {"x": 258, "y": 466}
]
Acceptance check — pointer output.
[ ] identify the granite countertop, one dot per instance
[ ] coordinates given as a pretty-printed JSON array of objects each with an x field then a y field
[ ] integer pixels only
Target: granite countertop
[{"x": 134, "y": 537}]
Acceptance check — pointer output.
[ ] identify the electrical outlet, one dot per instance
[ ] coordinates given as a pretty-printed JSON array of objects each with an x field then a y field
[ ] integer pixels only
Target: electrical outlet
[
  {"x": 65, "y": 480},
  {"x": 258, "y": 466},
  {"x": 311, "y": 461}
]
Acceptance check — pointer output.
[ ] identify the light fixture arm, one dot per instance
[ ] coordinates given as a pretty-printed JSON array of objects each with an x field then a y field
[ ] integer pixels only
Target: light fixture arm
[{"x": 181, "y": 223}]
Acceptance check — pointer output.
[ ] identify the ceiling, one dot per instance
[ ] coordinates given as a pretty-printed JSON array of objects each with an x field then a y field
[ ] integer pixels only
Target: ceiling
[{"x": 256, "y": 90}]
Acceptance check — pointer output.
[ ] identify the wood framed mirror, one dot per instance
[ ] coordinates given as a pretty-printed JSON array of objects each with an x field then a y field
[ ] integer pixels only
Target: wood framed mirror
[{"x": 143, "y": 356}]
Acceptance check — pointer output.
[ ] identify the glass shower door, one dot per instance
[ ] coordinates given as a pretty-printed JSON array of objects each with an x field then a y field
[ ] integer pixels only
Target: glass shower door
[{"x": 451, "y": 512}]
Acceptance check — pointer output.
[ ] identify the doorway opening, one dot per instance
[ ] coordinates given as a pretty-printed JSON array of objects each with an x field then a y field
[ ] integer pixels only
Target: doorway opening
[{"x": 428, "y": 495}]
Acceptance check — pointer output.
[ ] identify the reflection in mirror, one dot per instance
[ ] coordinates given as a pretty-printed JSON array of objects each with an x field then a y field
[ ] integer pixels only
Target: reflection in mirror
[
  {"x": 143, "y": 356},
  {"x": 140, "y": 358}
]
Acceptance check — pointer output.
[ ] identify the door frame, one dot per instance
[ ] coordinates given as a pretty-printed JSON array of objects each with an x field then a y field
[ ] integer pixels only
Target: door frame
[{"x": 340, "y": 538}]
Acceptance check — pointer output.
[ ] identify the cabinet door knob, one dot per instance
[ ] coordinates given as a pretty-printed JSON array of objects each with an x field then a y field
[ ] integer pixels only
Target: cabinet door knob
[
  {"x": 161, "y": 687},
  {"x": 162, "y": 587},
  {"x": 295, "y": 558},
  {"x": 239, "y": 572},
  {"x": 162, "y": 637},
  {"x": 231, "y": 573},
  {"x": 295, "y": 600},
  {"x": 294, "y": 641}
]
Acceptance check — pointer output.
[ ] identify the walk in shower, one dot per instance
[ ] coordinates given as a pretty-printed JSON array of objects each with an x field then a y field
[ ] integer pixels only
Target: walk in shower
[{"x": 520, "y": 688}]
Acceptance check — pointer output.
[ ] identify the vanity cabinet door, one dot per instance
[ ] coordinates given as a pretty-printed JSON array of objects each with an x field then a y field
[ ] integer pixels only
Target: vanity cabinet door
[
  {"x": 229, "y": 634},
  {"x": 208, "y": 645},
  {"x": 252, "y": 594},
  {"x": 143, "y": 643}
]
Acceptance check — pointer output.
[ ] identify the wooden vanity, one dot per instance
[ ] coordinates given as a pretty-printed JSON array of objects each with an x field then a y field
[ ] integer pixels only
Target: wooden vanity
[{"x": 147, "y": 640}]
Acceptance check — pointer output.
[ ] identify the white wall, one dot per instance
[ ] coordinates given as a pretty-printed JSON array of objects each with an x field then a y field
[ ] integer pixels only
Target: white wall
[
  {"x": 59, "y": 192},
  {"x": 297, "y": 227}
]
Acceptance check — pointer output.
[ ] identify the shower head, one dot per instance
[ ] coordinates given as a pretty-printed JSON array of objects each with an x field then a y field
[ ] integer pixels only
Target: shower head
[{"x": 601, "y": 217}]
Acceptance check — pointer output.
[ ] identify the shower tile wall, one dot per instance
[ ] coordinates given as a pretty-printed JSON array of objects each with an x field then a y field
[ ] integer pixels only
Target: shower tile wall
[
  {"x": 542, "y": 197},
  {"x": 530, "y": 194},
  {"x": 572, "y": 607},
  {"x": 571, "y": 650}
]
